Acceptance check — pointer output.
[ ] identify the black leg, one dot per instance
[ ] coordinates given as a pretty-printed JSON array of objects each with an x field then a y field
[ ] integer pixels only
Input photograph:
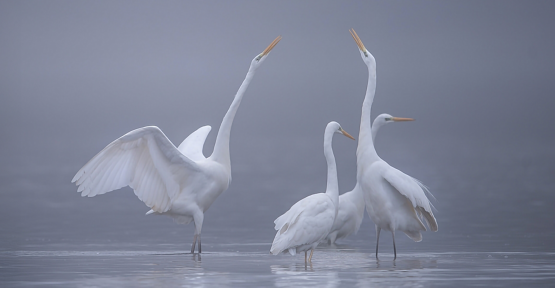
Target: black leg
[
  {"x": 394, "y": 249},
  {"x": 377, "y": 239},
  {"x": 194, "y": 243},
  {"x": 199, "y": 249}
]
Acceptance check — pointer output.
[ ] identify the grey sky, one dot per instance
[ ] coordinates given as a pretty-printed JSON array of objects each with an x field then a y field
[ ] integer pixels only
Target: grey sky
[{"x": 75, "y": 75}]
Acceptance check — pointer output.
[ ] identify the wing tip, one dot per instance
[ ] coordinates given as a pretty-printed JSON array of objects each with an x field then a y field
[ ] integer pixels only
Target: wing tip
[
  {"x": 415, "y": 236},
  {"x": 77, "y": 176}
]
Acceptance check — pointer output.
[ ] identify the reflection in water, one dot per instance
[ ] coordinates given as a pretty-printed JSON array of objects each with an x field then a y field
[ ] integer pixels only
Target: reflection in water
[
  {"x": 406, "y": 264},
  {"x": 197, "y": 258},
  {"x": 299, "y": 275},
  {"x": 332, "y": 268},
  {"x": 413, "y": 270},
  {"x": 407, "y": 272}
]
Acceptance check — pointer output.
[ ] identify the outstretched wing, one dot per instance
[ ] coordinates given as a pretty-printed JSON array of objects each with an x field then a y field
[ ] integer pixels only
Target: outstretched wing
[
  {"x": 144, "y": 159},
  {"x": 193, "y": 144},
  {"x": 413, "y": 190}
]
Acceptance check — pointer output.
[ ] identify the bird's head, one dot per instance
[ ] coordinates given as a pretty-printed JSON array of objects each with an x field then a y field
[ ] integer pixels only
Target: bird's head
[
  {"x": 386, "y": 118},
  {"x": 262, "y": 56},
  {"x": 366, "y": 56},
  {"x": 336, "y": 128}
]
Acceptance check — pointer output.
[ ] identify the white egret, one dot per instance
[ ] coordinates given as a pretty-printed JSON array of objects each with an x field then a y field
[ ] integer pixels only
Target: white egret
[
  {"x": 178, "y": 182},
  {"x": 394, "y": 200},
  {"x": 309, "y": 221},
  {"x": 351, "y": 204}
]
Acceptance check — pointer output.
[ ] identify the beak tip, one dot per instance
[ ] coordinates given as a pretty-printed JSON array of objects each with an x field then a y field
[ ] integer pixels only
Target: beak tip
[{"x": 400, "y": 119}]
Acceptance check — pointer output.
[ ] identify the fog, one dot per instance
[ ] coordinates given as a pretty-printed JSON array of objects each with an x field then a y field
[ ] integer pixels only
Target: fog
[{"x": 476, "y": 76}]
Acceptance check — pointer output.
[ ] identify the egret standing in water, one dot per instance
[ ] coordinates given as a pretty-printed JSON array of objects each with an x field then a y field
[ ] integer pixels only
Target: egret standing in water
[
  {"x": 394, "y": 200},
  {"x": 351, "y": 204},
  {"x": 309, "y": 221},
  {"x": 178, "y": 182}
]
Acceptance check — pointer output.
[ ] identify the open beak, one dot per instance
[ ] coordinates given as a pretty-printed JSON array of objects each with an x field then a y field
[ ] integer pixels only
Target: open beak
[
  {"x": 347, "y": 134},
  {"x": 270, "y": 47},
  {"x": 398, "y": 119},
  {"x": 357, "y": 40}
]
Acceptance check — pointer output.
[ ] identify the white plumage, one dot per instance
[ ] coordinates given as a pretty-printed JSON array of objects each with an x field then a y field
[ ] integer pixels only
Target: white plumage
[
  {"x": 310, "y": 220},
  {"x": 351, "y": 204},
  {"x": 304, "y": 224},
  {"x": 394, "y": 200},
  {"x": 144, "y": 159},
  {"x": 176, "y": 181}
]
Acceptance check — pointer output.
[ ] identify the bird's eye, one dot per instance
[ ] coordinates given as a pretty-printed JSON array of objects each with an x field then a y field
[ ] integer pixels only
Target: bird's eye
[{"x": 387, "y": 119}]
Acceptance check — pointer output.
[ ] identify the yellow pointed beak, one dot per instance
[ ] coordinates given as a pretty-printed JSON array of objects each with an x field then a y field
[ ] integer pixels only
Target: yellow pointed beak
[
  {"x": 347, "y": 134},
  {"x": 398, "y": 119},
  {"x": 270, "y": 47},
  {"x": 357, "y": 40}
]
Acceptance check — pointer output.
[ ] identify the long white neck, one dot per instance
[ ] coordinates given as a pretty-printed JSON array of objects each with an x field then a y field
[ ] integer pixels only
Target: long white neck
[
  {"x": 332, "y": 187},
  {"x": 356, "y": 197},
  {"x": 221, "y": 148},
  {"x": 376, "y": 125},
  {"x": 365, "y": 150}
]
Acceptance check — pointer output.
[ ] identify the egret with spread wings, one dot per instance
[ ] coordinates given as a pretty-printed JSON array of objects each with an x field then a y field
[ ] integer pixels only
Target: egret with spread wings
[{"x": 179, "y": 182}]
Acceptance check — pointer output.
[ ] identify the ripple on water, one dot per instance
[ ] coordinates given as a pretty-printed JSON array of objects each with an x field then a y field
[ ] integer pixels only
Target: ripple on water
[{"x": 330, "y": 268}]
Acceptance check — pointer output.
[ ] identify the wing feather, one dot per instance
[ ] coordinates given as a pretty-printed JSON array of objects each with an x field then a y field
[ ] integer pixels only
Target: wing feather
[
  {"x": 412, "y": 189},
  {"x": 113, "y": 172},
  {"x": 146, "y": 160},
  {"x": 193, "y": 144},
  {"x": 308, "y": 221},
  {"x": 292, "y": 213}
]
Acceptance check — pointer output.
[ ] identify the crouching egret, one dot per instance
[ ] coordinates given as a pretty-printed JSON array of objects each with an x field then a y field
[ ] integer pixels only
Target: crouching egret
[
  {"x": 179, "y": 182},
  {"x": 351, "y": 204},
  {"x": 309, "y": 221},
  {"x": 394, "y": 200}
]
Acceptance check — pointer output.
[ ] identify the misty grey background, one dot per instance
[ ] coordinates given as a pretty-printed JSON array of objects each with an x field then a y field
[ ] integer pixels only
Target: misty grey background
[{"x": 476, "y": 75}]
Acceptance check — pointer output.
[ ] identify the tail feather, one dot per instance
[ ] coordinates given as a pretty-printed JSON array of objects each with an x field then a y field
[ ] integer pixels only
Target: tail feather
[
  {"x": 416, "y": 236},
  {"x": 426, "y": 190},
  {"x": 276, "y": 248},
  {"x": 429, "y": 218},
  {"x": 280, "y": 243}
]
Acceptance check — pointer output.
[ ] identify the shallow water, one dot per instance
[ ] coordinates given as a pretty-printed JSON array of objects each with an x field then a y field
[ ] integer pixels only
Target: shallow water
[{"x": 251, "y": 267}]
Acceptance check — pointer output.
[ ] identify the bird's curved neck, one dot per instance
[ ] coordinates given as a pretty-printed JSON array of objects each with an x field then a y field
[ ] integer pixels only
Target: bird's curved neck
[
  {"x": 365, "y": 147},
  {"x": 332, "y": 186},
  {"x": 221, "y": 148},
  {"x": 375, "y": 128}
]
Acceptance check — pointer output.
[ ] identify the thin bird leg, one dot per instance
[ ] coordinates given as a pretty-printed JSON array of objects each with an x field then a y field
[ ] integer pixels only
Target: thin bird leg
[
  {"x": 378, "y": 229},
  {"x": 304, "y": 257},
  {"x": 198, "y": 217},
  {"x": 194, "y": 243},
  {"x": 310, "y": 257},
  {"x": 394, "y": 249}
]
